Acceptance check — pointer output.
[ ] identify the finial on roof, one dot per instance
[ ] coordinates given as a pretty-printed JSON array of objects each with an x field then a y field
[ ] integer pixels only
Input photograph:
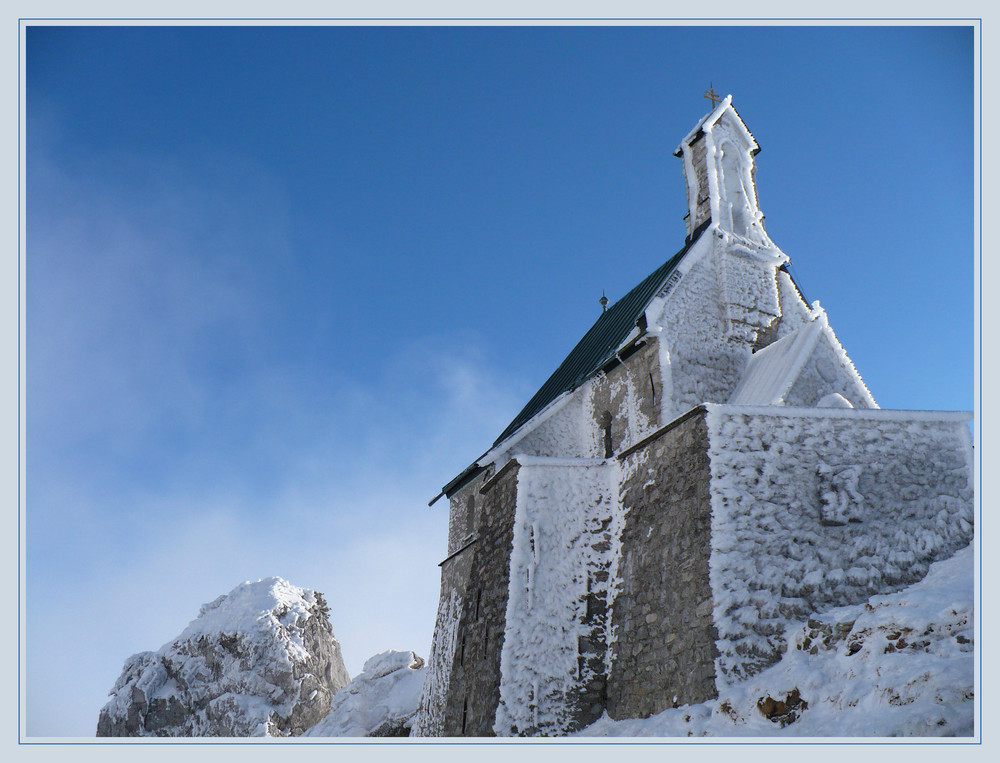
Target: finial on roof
[
  {"x": 713, "y": 96},
  {"x": 604, "y": 301}
]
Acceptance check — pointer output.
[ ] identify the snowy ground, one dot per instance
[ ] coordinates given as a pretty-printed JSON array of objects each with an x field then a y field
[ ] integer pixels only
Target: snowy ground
[{"x": 899, "y": 665}]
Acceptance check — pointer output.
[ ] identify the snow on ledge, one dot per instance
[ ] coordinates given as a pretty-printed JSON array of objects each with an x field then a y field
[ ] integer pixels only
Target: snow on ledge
[
  {"x": 883, "y": 414},
  {"x": 525, "y": 460}
]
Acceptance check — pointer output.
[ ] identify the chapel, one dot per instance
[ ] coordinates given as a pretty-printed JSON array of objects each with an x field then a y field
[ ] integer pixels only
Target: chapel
[{"x": 705, "y": 468}]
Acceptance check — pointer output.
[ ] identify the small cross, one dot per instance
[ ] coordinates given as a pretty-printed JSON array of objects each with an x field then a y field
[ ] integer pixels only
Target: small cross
[{"x": 713, "y": 96}]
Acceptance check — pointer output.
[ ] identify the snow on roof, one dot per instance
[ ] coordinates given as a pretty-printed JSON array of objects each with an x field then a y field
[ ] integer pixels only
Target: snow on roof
[
  {"x": 708, "y": 121},
  {"x": 599, "y": 344},
  {"x": 597, "y": 347},
  {"x": 773, "y": 370}
]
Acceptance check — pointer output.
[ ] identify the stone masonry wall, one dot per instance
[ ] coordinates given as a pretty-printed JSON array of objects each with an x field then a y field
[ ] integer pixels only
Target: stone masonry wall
[
  {"x": 703, "y": 365},
  {"x": 825, "y": 372},
  {"x": 564, "y": 546},
  {"x": 663, "y": 637},
  {"x": 816, "y": 508},
  {"x": 699, "y": 161},
  {"x": 474, "y": 688},
  {"x": 630, "y": 394},
  {"x": 464, "y": 507},
  {"x": 433, "y": 717}
]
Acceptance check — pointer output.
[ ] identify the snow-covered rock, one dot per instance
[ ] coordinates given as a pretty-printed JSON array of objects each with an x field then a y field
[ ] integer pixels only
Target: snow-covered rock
[
  {"x": 898, "y": 665},
  {"x": 261, "y": 660},
  {"x": 379, "y": 702}
]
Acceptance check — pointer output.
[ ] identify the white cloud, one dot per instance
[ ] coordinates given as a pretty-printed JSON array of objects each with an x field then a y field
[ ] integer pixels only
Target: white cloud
[{"x": 155, "y": 484}]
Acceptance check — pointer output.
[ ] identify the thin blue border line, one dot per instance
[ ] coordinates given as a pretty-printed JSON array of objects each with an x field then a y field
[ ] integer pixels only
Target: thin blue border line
[
  {"x": 482, "y": 19},
  {"x": 21, "y": 20},
  {"x": 980, "y": 444},
  {"x": 492, "y": 741},
  {"x": 19, "y": 507}
]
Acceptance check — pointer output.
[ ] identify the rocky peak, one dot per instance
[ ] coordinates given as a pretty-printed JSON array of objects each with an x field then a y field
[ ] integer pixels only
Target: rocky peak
[{"x": 261, "y": 660}]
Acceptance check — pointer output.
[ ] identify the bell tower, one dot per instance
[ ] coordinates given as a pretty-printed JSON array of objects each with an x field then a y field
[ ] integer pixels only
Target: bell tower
[{"x": 719, "y": 170}]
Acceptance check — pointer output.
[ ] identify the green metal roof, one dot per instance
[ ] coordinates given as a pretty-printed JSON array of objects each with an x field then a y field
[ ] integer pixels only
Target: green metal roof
[{"x": 598, "y": 345}]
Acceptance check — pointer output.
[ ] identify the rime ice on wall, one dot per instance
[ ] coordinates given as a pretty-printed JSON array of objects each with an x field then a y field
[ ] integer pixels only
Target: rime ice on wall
[
  {"x": 748, "y": 290},
  {"x": 623, "y": 404},
  {"x": 555, "y": 431},
  {"x": 829, "y": 371},
  {"x": 795, "y": 313},
  {"x": 705, "y": 325},
  {"x": 731, "y": 301},
  {"x": 557, "y": 434},
  {"x": 430, "y": 717},
  {"x": 818, "y": 508},
  {"x": 565, "y": 539},
  {"x": 691, "y": 326}
]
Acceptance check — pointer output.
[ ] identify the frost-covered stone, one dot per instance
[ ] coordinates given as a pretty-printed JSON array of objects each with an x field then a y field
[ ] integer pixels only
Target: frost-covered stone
[
  {"x": 261, "y": 660},
  {"x": 382, "y": 701},
  {"x": 818, "y": 508},
  {"x": 561, "y": 545},
  {"x": 897, "y": 665},
  {"x": 703, "y": 470}
]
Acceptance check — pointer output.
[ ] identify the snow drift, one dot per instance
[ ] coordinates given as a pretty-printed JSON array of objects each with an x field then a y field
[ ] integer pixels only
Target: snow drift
[
  {"x": 380, "y": 702},
  {"x": 898, "y": 665}
]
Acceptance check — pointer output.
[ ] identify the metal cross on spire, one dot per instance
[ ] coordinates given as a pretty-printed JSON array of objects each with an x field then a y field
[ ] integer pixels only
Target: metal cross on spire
[{"x": 713, "y": 96}]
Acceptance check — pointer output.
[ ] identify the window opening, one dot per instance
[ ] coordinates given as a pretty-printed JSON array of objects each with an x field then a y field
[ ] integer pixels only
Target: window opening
[
  {"x": 470, "y": 514},
  {"x": 606, "y": 426}
]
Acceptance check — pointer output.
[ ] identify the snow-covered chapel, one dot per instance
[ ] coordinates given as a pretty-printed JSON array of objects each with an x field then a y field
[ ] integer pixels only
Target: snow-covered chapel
[{"x": 705, "y": 468}]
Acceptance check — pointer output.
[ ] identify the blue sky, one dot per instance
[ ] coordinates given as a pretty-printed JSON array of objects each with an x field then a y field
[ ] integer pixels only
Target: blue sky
[{"x": 284, "y": 283}]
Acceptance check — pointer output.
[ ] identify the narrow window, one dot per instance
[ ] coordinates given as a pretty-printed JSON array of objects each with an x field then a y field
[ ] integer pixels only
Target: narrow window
[
  {"x": 461, "y": 651},
  {"x": 479, "y": 599},
  {"x": 465, "y": 714},
  {"x": 486, "y": 639},
  {"x": 606, "y": 426},
  {"x": 470, "y": 514}
]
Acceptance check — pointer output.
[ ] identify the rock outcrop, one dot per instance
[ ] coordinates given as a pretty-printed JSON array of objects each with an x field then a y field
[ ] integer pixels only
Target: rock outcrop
[
  {"x": 260, "y": 661},
  {"x": 380, "y": 702}
]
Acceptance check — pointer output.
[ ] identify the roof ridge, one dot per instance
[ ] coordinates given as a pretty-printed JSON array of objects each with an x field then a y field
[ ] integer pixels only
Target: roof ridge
[{"x": 600, "y": 342}]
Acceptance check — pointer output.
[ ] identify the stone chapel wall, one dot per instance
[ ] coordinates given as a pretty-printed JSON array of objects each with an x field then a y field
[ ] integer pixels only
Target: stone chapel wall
[
  {"x": 663, "y": 637},
  {"x": 814, "y": 509},
  {"x": 475, "y": 675}
]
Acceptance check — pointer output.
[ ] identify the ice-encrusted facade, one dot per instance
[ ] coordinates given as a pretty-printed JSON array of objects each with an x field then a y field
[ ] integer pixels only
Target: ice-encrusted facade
[{"x": 705, "y": 467}]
